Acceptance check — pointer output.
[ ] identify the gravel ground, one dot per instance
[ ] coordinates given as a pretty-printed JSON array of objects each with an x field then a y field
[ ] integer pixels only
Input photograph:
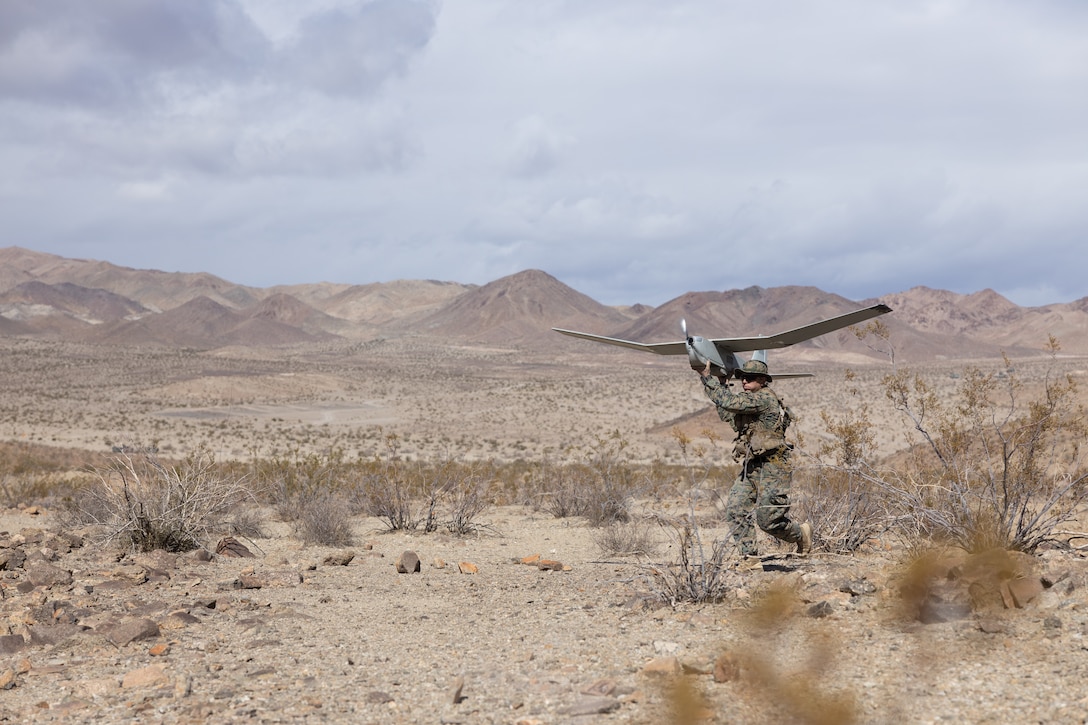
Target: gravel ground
[{"x": 294, "y": 635}]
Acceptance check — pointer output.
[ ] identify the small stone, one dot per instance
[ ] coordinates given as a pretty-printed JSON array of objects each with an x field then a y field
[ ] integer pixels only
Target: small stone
[
  {"x": 132, "y": 631},
  {"x": 53, "y": 634},
  {"x": 42, "y": 574},
  {"x": 231, "y": 547},
  {"x": 159, "y": 650},
  {"x": 179, "y": 620},
  {"x": 408, "y": 563},
  {"x": 247, "y": 581},
  {"x": 11, "y": 643},
  {"x": 7, "y": 679},
  {"x": 145, "y": 677},
  {"x": 819, "y": 610},
  {"x": 467, "y": 567},
  {"x": 1024, "y": 590},
  {"x": 858, "y": 587},
  {"x": 662, "y": 666},
  {"x": 339, "y": 558},
  {"x": 11, "y": 559}
]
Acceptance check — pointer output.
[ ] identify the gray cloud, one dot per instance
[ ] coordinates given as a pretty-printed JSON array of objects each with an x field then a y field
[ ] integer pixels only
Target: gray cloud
[{"x": 635, "y": 149}]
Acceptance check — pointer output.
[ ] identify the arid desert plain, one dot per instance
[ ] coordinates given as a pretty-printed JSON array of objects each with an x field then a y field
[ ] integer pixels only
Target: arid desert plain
[{"x": 531, "y": 619}]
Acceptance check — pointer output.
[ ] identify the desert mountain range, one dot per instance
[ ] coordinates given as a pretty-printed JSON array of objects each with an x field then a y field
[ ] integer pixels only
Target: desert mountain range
[{"x": 96, "y": 302}]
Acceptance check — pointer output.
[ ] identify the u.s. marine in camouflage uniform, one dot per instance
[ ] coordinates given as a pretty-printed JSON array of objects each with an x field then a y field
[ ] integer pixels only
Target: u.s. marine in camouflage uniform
[{"x": 760, "y": 419}]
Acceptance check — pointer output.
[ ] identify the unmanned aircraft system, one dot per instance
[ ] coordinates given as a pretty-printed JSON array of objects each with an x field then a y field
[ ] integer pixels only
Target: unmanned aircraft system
[{"x": 721, "y": 353}]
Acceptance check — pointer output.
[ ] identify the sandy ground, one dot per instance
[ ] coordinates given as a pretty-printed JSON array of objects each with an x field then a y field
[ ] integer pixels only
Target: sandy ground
[{"x": 294, "y": 634}]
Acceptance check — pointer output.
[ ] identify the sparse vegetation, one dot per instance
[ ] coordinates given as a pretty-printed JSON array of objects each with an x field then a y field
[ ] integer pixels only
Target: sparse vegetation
[
  {"x": 324, "y": 519},
  {"x": 701, "y": 571},
  {"x": 599, "y": 488},
  {"x": 996, "y": 465},
  {"x": 149, "y": 505},
  {"x": 632, "y": 538}
]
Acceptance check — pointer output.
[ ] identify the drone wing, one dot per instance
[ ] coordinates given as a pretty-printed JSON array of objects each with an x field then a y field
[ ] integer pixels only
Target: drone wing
[
  {"x": 800, "y": 334},
  {"x": 657, "y": 348},
  {"x": 742, "y": 344}
]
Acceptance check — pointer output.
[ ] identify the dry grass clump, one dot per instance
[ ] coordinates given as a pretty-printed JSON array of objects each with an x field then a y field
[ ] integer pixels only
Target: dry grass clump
[
  {"x": 632, "y": 538},
  {"x": 151, "y": 505},
  {"x": 702, "y": 571},
  {"x": 418, "y": 497},
  {"x": 34, "y": 488},
  {"x": 325, "y": 520},
  {"x": 996, "y": 465},
  {"x": 318, "y": 493},
  {"x": 600, "y": 488},
  {"x": 577, "y": 490},
  {"x": 847, "y": 512},
  {"x": 248, "y": 522},
  {"x": 385, "y": 494}
]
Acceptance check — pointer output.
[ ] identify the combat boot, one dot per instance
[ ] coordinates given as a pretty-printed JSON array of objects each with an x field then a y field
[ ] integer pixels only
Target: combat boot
[{"x": 804, "y": 546}]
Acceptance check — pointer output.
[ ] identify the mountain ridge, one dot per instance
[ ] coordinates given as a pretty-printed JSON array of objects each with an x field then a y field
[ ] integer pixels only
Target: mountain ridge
[{"x": 94, "y": 301}]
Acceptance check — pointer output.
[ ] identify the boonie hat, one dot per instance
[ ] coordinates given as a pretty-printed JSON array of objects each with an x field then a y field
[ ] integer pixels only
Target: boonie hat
[{"x": 753, "y": 367}]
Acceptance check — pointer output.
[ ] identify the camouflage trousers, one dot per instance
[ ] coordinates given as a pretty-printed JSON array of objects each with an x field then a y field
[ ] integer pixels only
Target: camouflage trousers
[{"x": 762, "y": 494}]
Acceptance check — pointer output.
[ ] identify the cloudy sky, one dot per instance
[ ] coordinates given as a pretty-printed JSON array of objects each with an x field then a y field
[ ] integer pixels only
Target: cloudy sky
[{"x": 635, "y": 149}]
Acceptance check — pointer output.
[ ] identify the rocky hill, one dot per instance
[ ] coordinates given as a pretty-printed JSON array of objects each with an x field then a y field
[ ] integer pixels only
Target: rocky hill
[{"x": 43, "y": 295}]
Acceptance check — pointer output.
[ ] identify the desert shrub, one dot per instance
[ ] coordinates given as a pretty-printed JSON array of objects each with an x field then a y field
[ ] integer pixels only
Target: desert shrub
[
  {"x": 578, "y": 490},
  {"x": 847, "y": 511},
  {"x": 560, "y": 490},
  {"x": 324, "y": 519},
  {"x": 288, "y": 481},
  {"x": 407, "y": 497},
  {"x": 608, "y": 499},
  {"x": 383, "y": 494},
  {"x": 991, "y": 470},
  {"x": 702, "y": 570},
  {"x": 600, "y": 488},
  {"x": 35, "y": 488},
  {"x": 150, "y": 505},
  {"x": 700, "y": 573},
  {"x": 846, "y": 508},
  {"x": 466, "y": 492},
  {"x": 247, "y": 521},
  {"x": 634, "y": 538},
  {"x": 996, "y": 466},
  {"x": 608, "y": 502}
]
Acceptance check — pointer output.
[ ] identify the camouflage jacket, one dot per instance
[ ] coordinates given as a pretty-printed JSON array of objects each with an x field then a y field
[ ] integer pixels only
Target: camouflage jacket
[{"x": 760, "y": 418}]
